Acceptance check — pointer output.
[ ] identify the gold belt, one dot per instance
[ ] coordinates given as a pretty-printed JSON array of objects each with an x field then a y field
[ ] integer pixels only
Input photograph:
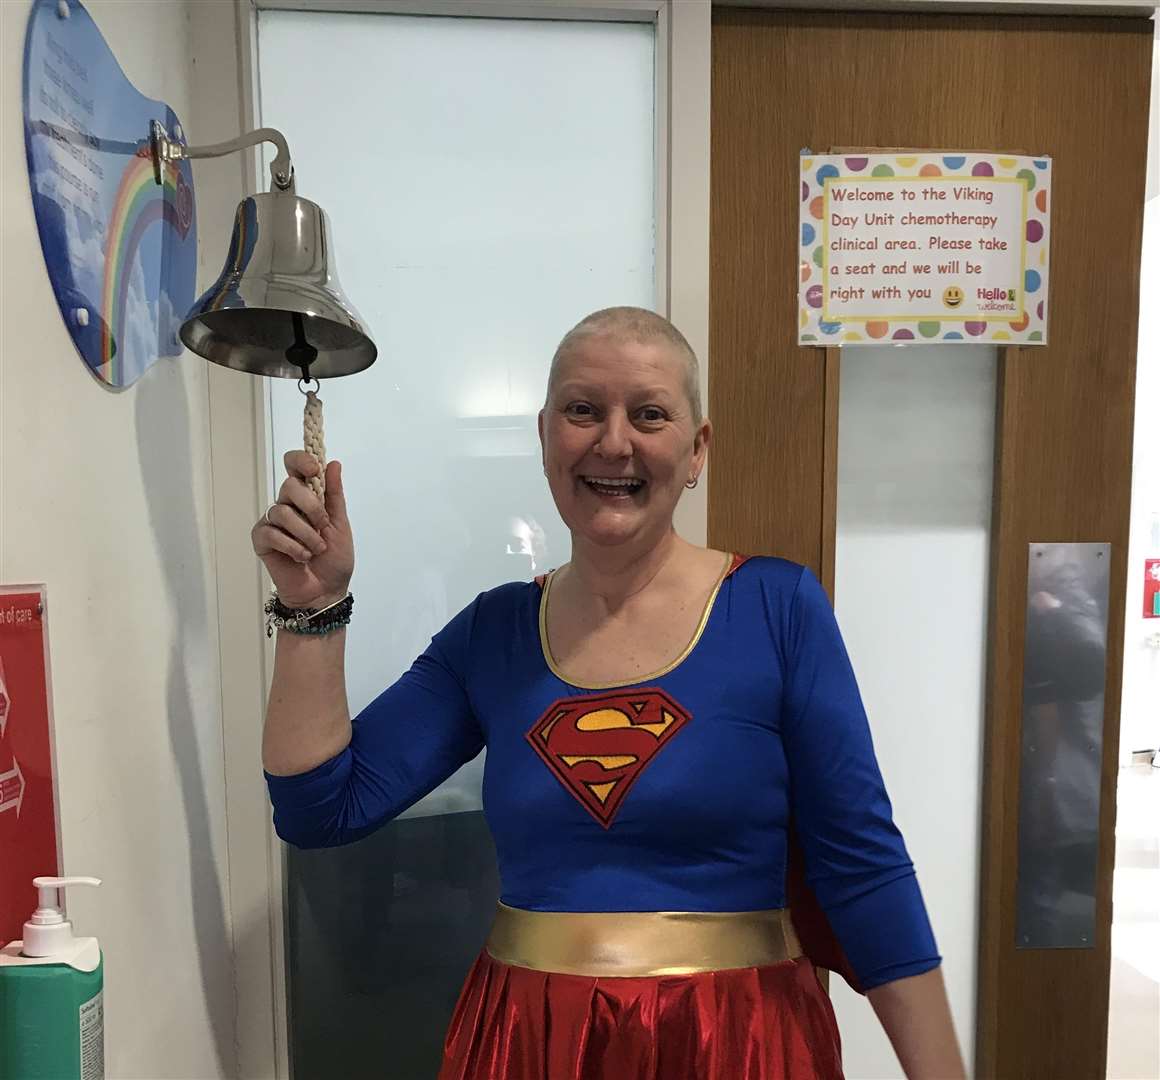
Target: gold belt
[{"x": 636, "y": 943}]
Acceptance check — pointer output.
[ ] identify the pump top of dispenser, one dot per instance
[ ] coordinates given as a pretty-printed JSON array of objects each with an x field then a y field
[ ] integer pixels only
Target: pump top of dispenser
[{"x": 48, "y": 932}]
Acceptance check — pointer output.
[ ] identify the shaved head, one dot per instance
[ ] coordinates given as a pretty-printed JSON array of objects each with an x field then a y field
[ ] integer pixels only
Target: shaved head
[{"x": 641, "y": 327}]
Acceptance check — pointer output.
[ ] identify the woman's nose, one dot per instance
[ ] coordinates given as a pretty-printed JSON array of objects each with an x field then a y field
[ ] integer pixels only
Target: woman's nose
[{"x": 616, "y": 437}]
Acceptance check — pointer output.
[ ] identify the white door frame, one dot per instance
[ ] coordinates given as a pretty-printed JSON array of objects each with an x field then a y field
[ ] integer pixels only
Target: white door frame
[{"x": 240, "y": 432}]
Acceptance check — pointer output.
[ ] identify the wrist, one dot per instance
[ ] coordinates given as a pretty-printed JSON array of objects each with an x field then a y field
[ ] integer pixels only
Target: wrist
[
  {"x": 323, "y": 616},
  {"x": 318, "y": 603}
]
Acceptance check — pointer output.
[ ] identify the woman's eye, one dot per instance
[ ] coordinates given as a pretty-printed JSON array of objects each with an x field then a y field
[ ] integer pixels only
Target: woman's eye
[
  {"x": 651, "y": 414},
  {"x": 580, "y": 408}
]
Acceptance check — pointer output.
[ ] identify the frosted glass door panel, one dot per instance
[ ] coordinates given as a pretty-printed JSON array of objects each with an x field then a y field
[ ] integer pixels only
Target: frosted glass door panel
[
  {"x": 489, "y": 183},
  {"x": 915, "y": 460},
  {"x": 486, "y": 190}
]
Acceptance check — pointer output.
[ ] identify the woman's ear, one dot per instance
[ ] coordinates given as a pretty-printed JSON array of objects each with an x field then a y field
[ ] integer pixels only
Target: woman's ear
[
  {"x": 540, "y": 429},
  {"x": 701, "y": 442}
]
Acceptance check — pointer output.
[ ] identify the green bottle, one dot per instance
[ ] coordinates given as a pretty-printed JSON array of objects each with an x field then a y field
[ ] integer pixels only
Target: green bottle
[{"x": 52, "y": 1023}]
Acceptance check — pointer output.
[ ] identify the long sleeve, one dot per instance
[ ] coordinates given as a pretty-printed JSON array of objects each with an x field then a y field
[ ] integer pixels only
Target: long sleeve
[
  {"x": 403, "y": 745},
  {"x": 855, "y": 858}
]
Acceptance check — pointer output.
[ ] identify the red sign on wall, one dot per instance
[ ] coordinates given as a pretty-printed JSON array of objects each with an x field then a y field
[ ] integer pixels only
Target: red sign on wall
[
  {"x": 1151, "y": 588},
  {"x": 28, "y": 822}
]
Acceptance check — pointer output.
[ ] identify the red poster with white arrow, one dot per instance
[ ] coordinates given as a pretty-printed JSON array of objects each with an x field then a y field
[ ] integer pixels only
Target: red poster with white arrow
[{"x": 28, "y": 819}]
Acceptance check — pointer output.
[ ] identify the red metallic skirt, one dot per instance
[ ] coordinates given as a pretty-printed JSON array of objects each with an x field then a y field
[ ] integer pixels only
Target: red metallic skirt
[{"x": 768, "y": 1021}]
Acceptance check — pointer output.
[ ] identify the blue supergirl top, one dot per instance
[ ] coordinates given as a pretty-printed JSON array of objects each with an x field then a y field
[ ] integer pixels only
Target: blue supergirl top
[{"x": 675, "y": 793}]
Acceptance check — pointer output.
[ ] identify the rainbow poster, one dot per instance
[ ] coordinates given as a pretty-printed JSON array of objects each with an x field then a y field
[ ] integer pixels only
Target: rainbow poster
[
  {"x": 938, "y": 246},
  {"x": 119, "y": 242}
]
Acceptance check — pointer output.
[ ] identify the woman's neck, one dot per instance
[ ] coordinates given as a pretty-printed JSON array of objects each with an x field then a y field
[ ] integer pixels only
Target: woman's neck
[{"x": 612, "y": 575}]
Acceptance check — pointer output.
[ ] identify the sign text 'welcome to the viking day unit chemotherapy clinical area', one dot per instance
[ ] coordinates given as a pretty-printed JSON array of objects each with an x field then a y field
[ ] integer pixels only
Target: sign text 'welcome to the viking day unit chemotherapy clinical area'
[{"x": 898, "y": 247}]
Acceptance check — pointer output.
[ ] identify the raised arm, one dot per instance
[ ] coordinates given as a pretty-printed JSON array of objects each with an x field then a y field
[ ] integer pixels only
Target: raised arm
[
  {"x": 333, "y": 781},
  {"x": 308, "y": 551}
]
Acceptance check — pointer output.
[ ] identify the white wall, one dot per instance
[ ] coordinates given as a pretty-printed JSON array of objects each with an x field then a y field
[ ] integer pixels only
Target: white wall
[
  {"x": 1140, "y": 701},
  {"x": 915, "y": 462},
  {"x": 106, "y": 497}
]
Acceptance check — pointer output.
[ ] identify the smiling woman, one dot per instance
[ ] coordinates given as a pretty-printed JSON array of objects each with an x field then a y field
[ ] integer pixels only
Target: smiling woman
[
  {"x": 646, "y": 835},
  {"x": 622, "y": 431}
]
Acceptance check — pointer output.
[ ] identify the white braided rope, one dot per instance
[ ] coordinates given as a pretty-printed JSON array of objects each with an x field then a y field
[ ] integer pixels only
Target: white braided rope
[{"x": 312, "y": 440}]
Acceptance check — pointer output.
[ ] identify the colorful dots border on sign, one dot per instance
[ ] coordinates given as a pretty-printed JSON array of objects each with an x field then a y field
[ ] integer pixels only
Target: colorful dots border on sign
[{"x": 814, "y": 328}]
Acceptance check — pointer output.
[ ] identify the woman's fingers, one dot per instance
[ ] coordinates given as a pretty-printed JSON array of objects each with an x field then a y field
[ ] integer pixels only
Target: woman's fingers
[
  {"x": 288, "y": 537},
  {"x": 335, "y": 495},
  {"x": 268, "y": 539},
  {"x": 300, "y": 463},
  {"x": 290, "y": 521},
  {"x": 296, "y": 494}
]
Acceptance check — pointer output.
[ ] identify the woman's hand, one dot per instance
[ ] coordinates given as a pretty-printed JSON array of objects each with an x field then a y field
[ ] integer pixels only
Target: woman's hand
[{"x": 307, "y": 547}]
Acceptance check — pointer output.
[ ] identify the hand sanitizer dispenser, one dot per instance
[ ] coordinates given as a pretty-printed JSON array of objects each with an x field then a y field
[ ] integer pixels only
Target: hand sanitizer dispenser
[{"x": 51, "y": 996}]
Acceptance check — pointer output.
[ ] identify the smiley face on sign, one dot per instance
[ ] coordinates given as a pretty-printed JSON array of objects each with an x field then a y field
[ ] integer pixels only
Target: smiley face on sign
[{"x": 952, "y": 296}]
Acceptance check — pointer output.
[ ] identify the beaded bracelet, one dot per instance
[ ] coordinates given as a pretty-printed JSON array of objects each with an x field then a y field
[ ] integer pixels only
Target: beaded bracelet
[{"x": 307, "y": 620}]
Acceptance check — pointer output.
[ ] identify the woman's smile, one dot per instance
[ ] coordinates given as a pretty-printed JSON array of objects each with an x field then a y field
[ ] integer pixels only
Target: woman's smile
[{"x": 617, "y": 489}]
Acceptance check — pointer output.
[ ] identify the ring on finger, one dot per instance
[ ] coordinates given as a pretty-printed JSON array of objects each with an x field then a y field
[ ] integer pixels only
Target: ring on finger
[{"x": 266, "y": 515}]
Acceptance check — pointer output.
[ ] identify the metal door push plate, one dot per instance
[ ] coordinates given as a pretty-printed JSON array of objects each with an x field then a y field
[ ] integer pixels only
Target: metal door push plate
[{"x": 1064, "y": 676}]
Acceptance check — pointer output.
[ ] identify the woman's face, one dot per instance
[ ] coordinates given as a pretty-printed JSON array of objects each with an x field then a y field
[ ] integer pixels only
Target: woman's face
[{"x": 619, "y": 439}]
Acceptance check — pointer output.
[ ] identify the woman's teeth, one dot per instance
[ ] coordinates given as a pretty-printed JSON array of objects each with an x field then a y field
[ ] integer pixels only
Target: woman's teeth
[{"x": 621, "y": 486}]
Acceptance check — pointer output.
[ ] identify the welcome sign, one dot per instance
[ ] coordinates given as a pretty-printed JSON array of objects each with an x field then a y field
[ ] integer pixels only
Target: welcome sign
[{"x": 898, "y": 247}]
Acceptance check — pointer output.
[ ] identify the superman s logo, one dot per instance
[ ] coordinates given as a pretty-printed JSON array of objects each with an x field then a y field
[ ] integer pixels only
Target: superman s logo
[{"x": 597, "y": 746}]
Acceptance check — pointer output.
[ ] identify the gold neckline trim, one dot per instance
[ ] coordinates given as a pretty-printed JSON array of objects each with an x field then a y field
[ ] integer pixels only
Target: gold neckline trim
[{"x": 550, "y": 660}]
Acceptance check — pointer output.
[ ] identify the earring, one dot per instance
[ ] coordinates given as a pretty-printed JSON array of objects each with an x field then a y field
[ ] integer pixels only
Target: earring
[{"x": 690, "y": 484}]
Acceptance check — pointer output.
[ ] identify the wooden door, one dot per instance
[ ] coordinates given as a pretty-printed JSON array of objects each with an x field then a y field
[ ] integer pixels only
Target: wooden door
[{"x": 1076, "y": 89}]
